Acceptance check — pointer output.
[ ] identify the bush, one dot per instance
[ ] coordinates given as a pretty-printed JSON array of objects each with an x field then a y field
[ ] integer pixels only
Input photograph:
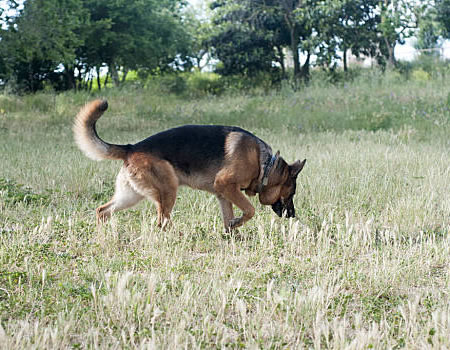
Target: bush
[
  {"x": 171, "y": 83},
  {"x": 424, "y": 68},
  {"x": 198, "y": 84},
  {"x": 201, "y": 84},
  {"x": 261, "y": 82},
  {"x": 336, "y": 76},
  {"x": 190, "y": 84},
  {"x": 420, "y": 75}
]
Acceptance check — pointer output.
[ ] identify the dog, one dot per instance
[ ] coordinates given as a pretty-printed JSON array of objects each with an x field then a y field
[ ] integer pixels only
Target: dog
[{"x": 223, "y": 160}]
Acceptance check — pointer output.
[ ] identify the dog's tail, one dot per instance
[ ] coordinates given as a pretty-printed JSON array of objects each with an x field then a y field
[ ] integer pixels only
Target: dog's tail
[{"x": 86, "y": 135}]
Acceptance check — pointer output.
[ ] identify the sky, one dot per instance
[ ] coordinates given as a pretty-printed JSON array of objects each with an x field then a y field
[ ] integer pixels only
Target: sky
[{"x": 407, "y": 51}]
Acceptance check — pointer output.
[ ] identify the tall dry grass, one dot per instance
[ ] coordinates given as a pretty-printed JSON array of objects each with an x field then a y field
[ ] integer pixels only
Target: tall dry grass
[{"x": 364, "y": 265}]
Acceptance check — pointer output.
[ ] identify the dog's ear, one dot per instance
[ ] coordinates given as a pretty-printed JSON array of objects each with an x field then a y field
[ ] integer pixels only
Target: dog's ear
[{"x": 295, "y": 168}]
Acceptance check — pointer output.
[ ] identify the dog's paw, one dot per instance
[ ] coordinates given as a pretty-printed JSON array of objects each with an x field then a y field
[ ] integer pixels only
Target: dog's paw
[{"x": 236, "y": 222}]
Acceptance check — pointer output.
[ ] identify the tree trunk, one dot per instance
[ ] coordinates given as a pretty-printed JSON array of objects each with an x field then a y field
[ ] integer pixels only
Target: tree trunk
[
  {"x": 99, "y": 83},
  {"x": 389, "y": 44},
  {"x": 30, "y": 77},
  {"x": 124, "y": 76},
  {"x": 281, "y": 60},
  {"x": 344, "y": 58},
  {"x": 69, "y": 78},
  {"x": 305, "y": 69},
  {"x": 91, "y": 79},
  {"x": 106, "y": 79},
  {"x": 294, "y": 49},
  {"x": 79, "y": 84},
  {"x": 294, "y": 44},
  {"x": 114, "y": 74},
  {"x": 391, "y": 55}
]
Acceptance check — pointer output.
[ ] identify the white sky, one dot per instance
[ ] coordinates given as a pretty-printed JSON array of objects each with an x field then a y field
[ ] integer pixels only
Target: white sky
[{"x": 408, "y": 52}]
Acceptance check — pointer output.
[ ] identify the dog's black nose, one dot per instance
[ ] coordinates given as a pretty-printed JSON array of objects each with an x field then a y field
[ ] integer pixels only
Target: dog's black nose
[
  {"x": 277, "y": 207},
  {"x": 289, "y": 208},
  {"x": 290, "y": 213}
]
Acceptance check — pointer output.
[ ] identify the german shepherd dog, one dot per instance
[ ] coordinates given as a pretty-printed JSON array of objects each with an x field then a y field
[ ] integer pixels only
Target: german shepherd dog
[{"x": 223, "y": 160}]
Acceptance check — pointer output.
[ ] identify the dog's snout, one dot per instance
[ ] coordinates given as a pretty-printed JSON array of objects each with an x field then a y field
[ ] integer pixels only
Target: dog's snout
[
  {"x": 277, "y": 207},
  {"x": 290, "y": 213},
  {"x": 289, "y": 209}
]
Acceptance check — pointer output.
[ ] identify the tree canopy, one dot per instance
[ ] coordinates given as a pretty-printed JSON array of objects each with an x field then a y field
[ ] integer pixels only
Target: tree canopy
[{"x": 67, "y": 43}]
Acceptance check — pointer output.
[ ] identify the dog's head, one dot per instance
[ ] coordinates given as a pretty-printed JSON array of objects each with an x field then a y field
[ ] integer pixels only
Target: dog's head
[{"x": 281, "y": 186}]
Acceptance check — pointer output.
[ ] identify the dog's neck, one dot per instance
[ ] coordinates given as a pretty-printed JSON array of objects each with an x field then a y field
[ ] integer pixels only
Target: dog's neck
[{"x": 267, "y": 165}]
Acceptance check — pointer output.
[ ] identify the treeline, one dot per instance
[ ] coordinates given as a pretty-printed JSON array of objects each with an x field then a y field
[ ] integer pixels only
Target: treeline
[{"x": 67, "y": 44}]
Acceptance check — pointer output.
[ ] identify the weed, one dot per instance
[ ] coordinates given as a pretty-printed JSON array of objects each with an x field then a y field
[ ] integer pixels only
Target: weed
[{"x": 13, "y": 193}]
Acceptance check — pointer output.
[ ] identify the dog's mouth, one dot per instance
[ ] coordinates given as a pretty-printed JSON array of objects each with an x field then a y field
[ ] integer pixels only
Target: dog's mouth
[
  {"x": 286, "y": 209},
  {"x": 277, "y": 207}
]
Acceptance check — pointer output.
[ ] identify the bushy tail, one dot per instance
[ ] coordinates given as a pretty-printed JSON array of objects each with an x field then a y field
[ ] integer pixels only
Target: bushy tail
[{"x": 86, "y": 135}]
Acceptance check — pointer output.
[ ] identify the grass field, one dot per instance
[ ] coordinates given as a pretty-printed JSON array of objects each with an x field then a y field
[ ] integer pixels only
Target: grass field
[{"x": 364, "y": 265}]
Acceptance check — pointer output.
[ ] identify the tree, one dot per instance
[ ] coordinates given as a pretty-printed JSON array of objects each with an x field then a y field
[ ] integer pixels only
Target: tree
[
  {"x": 41, "y": 37},
  {"x": 307, "y": 27},
  {"x": 242, "y": 39},
  {"x": 66, "y": 41},
  {"x": 200, "y": 29},
  {"x": 429, "y": 33},
  {"x": 443, "y": 16},
  {"x": 292, "y": 21},
  {"x": 133, "y": 34},
  {"x": 356, "y": 28},
  {"x": 398, "y": 22}
]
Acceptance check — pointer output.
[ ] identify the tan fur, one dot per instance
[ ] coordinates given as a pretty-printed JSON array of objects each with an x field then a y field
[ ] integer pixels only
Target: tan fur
[
  {"x": 86, "y": 136},
  {"x": 241, "y": 168},
  {"x": 145, "y": 175}
]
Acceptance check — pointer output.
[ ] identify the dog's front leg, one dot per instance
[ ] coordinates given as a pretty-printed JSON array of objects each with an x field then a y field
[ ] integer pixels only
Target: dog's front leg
[
  {"x": 227, "y": 211},
  {"x": 231, "y": 192}
]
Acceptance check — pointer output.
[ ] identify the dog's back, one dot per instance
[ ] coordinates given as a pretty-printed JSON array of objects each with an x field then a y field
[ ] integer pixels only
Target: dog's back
[{"x": 193, "y": 148}]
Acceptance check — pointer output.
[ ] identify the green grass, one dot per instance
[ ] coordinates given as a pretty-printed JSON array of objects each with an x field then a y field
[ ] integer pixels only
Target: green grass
[{"x": 364, "y": 265}]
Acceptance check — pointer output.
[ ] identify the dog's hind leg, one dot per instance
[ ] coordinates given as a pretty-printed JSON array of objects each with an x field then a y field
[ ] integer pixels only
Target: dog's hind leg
[
  {"x": 227, "y": 211},
  {"x": 124, "y": 197},
  {"x": 164, "y": 206},
  {"x": 156, "y": 180}
]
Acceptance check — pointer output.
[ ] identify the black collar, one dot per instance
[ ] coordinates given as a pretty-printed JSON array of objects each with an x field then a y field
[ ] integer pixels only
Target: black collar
[{"x": 268, "y": 165}]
